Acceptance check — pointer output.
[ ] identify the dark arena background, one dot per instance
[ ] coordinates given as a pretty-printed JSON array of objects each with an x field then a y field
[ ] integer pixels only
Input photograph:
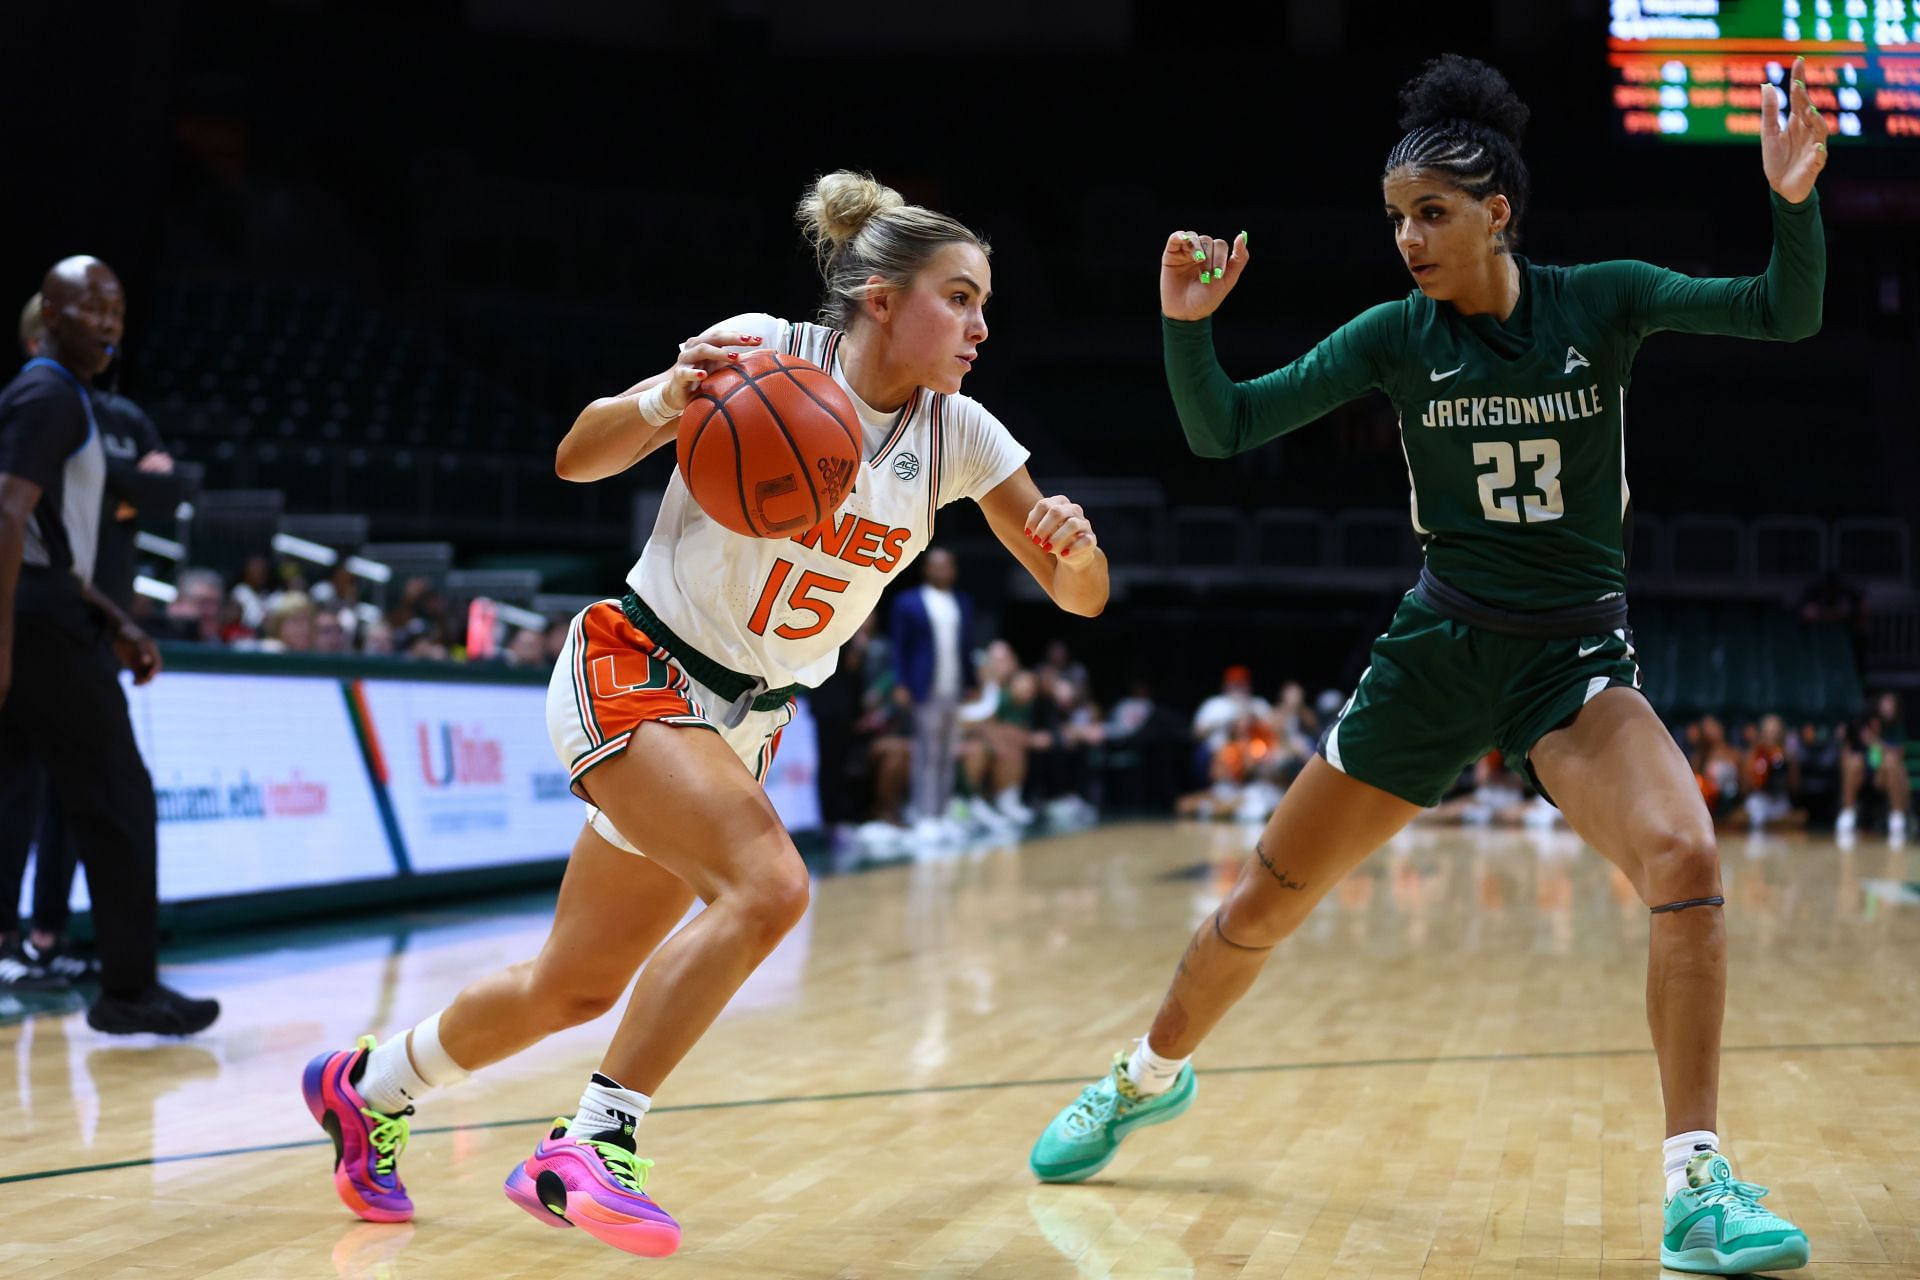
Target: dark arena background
[{"x": 377, "y": 257}]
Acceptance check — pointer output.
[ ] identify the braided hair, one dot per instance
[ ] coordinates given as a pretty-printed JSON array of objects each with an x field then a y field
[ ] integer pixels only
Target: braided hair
[{"x": 1464, "y": 120}]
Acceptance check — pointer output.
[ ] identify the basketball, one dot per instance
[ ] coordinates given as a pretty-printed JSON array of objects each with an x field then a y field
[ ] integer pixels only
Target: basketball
[{"x": 769, "y": 448}]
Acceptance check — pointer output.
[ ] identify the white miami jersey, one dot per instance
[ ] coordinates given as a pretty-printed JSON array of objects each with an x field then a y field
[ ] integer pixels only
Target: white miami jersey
[{"x": 781, "y": 609}]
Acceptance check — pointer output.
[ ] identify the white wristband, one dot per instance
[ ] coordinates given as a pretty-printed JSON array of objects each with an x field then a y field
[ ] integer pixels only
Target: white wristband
[{"x": 652, "y": 404}]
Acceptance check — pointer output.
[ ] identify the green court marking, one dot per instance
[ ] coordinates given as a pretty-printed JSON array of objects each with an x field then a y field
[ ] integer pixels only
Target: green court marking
[{"x": 1267, "y": 1068}]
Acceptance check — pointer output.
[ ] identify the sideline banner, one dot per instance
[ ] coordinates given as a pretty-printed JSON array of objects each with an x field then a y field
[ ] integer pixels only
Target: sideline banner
[
  {"x": 259, "y": 782},
  {"x": 471, "y": 773}
]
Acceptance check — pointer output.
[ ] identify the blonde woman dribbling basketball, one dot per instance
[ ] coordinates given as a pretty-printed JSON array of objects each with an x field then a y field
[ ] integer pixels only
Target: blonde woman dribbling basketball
[{"x": 667, "y": 705}]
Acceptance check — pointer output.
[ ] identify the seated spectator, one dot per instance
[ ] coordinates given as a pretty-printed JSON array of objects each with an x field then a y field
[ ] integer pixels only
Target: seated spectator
[
  {"x": 527, "y": 649},
  {"x": 1773, "y": 778},
  {"x": 339, "y": 594},
  {"x": 1066, "y": 727},
  {"x": 377, "y": 640},
  {"x": 251, "y": 593},
  {"x": 1717, "y": 767},
  {"x": 1296, "y": 731},
  {"x": 1145, "y": 748},
  {"x": 1241, "y": 786},
  {"x": 1214, "y": 722},
  {"x": 290, "y": 625},
  {"x": 1059, "y": 664},
  {"x": 328, "y": 635},
  {"x": 995, "y": 737},
  {"x": 195, "y": 613},
  {"x": 1875, "y": 751}
]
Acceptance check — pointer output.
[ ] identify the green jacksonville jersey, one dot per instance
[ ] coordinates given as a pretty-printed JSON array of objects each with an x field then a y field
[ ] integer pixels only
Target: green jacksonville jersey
[{"x": 1513, "y": 430}]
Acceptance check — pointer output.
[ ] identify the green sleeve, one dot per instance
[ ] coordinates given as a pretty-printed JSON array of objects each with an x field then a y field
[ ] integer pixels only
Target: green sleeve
[
  {"x": 1783, "y": 304},
  {"x": 1222, "y": 417}
]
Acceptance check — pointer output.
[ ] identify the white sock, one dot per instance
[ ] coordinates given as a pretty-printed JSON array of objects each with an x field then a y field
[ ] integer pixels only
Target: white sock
[
  {"x": 1150, "y": 1073},
  {"x": 607, "y": 1108},
  {"x": 1008, "y": 798},
  {"x": 401, "y": 1071},
  {"x": 1679, "y": 1149}
]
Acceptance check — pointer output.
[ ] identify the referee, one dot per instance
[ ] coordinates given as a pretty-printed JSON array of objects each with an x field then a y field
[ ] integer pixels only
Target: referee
[{"x": 59, "y": 701}]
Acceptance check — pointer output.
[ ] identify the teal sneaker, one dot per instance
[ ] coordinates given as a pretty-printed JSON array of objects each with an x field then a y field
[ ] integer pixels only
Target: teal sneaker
[
  {"x": 1083, "y": 1138},
  {"x": 1715, "y": 1225}
]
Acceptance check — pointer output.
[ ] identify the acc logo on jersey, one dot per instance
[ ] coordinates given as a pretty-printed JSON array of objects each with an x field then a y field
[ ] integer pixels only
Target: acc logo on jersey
[{"x": 906, "y": 466}]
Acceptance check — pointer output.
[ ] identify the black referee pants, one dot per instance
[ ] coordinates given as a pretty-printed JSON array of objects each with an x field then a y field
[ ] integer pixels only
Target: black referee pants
[
  {"x": 66, "y": 710},
  {"x": 35, "y": 826}
]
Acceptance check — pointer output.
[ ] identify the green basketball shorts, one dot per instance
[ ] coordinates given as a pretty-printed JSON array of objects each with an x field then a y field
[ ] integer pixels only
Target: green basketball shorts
[{"x": 1440, "y": 694}]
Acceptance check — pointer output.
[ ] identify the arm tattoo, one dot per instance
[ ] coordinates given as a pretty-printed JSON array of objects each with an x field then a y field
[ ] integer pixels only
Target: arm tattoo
[{"x": 1260, "y": 852}]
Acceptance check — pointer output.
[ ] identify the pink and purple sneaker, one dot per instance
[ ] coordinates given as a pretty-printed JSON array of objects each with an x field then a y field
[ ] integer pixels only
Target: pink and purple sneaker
[
  {"x": 598, "y": 1185},
  {"x": 366, "y": 1143}
]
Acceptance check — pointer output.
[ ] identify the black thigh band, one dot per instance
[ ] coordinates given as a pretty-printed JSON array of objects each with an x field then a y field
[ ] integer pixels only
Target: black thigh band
[
  {"x": 1221, "y": 934},
  {"x": 1715, "y": 901}
]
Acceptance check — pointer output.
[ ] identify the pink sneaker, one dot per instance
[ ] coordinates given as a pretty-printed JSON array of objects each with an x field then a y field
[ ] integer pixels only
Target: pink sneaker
[
  {"x": 366, "y": 1143},
  {"x": 595, "y": 1184}
]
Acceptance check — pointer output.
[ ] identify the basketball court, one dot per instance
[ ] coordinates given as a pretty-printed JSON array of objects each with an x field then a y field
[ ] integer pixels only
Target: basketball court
[{"x": 1445, "y": 1073}]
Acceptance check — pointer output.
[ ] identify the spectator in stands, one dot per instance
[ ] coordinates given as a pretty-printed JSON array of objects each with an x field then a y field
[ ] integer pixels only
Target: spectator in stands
[
  {"x": 933, "y": 663},
  {"x": 1773, "y": 778},
  {"x": 61, "y": 640},
  {"x": 555, "y": 640},
  {"x": 329, "y": 636},
  {"x": 1145, "y": 753},
  {"x": 1066, "y": 728},
  {"x": 1717, "y": 767},
  {"x": 994, "y": 750},
  {"x": 1213, "y": 723},
  {"x": 290, "y": 625},
  {"x": 197, "y": 610},
  {"x": 527, "y": 648},
  {"x": 1059, "y": 664},
  {"x": 377, "y": 641},
  {"x": 1296, "y": 731},
  {"x": 1875, "y": 752},
  {"x": 253, "y": 591},
  {"x": 1240, "y": 782},
  {"x": 339, "y": 594}
]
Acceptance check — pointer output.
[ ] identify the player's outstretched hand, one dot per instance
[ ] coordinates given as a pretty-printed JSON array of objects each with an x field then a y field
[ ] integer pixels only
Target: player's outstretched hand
[
  {"x": 701, "y": 355},
  {"x": 1197, "y": 273},
  {"x": 1058, "y": 526},
  {"x": 1793, "y": 157}
]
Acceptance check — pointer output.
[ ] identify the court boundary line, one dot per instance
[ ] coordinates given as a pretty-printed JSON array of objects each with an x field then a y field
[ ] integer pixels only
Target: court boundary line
[{"x": 1264, "y": 1068}]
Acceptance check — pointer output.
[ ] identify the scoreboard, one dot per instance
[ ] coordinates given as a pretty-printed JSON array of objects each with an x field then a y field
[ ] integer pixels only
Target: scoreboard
[{"x": 1691, "y": 70}]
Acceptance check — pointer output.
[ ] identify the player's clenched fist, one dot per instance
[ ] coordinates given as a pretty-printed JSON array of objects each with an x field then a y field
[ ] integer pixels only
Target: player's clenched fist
[{"x": 1057, "y": 525}]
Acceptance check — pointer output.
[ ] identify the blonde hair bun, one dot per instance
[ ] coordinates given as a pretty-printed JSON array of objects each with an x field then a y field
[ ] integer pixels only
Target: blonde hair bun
[{"x": 839, "y": 204}]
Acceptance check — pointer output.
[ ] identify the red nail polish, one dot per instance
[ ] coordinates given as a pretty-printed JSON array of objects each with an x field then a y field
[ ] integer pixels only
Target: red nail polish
[
  {"x": 733, "y": 355},
  {"x": 1046, "y": 546}
]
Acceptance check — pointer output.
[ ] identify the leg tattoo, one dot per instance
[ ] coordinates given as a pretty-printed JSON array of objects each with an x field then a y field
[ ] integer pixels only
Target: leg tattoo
[{"x": 1260, "y": 852}]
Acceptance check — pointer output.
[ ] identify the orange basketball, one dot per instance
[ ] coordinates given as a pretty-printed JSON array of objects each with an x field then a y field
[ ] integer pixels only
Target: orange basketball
[{"x": 769, "y": 447}]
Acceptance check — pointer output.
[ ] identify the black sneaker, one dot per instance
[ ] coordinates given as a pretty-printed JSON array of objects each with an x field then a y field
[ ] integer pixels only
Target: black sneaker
[
  {"x": 64, "y": 960},
  {"x": 160, "y": 1010},
  {"x": 23, "y": 970}
]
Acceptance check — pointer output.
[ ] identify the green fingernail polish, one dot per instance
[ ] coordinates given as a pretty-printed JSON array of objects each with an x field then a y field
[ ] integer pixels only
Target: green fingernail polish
[
  {"x": 1206, "y": 277},
  {"x": 1243, "y": 237},
  {"x": 1199, "y": 255}
]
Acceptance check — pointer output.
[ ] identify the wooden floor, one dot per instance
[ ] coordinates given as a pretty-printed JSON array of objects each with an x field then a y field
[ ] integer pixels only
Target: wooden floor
[{"x": 1444, "y": 1074}]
